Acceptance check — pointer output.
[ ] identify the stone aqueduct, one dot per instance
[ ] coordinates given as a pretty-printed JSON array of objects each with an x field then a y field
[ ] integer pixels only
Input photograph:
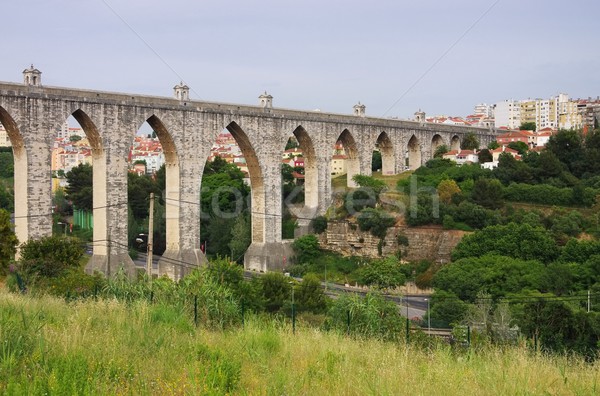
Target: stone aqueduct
[{"x": 187, "y": 129}]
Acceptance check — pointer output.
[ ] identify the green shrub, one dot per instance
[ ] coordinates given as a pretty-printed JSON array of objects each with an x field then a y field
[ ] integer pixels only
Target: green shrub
[
  {"x": 369, "y": 316},
  {"x": 376, "y": 221},
  {"x": 319, "y": 224},
  {"x": 306, "y": 248},
  {"x": 50, "y": 256}
]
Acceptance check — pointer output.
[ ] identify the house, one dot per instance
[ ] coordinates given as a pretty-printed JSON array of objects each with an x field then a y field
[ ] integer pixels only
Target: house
[
  {"x": 526, "y": 137},
  {"x": 338, "y": 164},
  {"x": 462, "y": 156},
  {"x": 496, "y": 156}
]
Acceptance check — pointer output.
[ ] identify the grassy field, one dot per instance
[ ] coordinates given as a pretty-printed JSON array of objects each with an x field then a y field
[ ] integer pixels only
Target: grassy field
[{"x": 107, "y": 347}]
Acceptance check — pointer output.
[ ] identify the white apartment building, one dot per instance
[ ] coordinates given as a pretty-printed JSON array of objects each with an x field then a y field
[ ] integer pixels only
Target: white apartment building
[
  {"x": 4, "y": 140},
  {"x": 507, "y": 114},
  {"x": 484, "y": 109},
  {"x": 66, "y": 131}
]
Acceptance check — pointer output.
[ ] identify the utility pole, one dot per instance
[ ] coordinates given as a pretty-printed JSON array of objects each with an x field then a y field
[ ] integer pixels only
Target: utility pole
[{"x": 150, "y": 237}]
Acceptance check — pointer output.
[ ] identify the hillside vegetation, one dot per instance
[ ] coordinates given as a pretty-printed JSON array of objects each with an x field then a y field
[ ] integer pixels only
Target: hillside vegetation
[{"x": 110, "y": 347}]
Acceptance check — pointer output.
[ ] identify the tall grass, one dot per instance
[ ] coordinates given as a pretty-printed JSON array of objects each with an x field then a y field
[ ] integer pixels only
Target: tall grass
[{"x": 90, "y": 347}]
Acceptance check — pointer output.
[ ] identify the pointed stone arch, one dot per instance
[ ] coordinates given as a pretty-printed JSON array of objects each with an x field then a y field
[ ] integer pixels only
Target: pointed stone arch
[
  {"x": 21, "y": 181},
  {"x": 414, "y": 152},
  {"x": 257, "y": 186},
  {"x": 436, "y": 141},
  {"x": 172, "y": 193},
  {"x": 307, "y": 211},
  {"x": 455, "y": 143},
  {"x": 385, "y": 146},
  {"x": 101, "y": 236},
  {"x": 352, "y": 155},
  {"x": 311, "y": 174}
]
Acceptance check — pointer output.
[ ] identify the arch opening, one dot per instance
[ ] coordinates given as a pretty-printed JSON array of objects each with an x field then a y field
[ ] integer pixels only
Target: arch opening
[
  {"x": 153, "y": 167},
  {"x": 78, "y": 168},
  {"x": 455, "y": 143},
  {"x": 414, "y": 153},
  {"x": 299, "y": 184},
  {"x": 438, "y": 146},
  {"x": 232, "y": 196},
  {"x": 383, "y": 155},
  {"x": 345, "y": 161}
]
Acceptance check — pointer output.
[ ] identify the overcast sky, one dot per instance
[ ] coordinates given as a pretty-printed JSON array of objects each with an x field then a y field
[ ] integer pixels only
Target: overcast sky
[{"x": 394, "y": 56}]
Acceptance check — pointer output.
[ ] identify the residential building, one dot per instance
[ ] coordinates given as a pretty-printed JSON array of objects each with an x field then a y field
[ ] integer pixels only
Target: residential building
[
  {"x": 4, "y": 139},
  {"x": 338, "y": 164},
  {"x": 462, "y": 156},
  {"x": 515, "y": 136},
  {"x": 507, "y": 114},
  {"x": 483, "y": 109}
]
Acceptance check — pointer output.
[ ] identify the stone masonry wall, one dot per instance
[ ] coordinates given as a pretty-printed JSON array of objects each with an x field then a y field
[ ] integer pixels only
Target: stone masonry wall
[{"x": 424, "y": 243}]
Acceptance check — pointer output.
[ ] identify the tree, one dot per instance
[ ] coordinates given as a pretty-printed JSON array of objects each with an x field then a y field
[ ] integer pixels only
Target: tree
[
  {"x": 50, "y": 256},
  {"x": 499, "y": 275},
  {"x": 382, "y": 274},
  {"x": 306, "y": 248},
  {"x": 7, "y": 165},
  {"x": 276, "y": 290},
  {"x": 470, "y": 142},
  {"x": 440, "y": 151},
  {"x": 493, "y": 145},
  {"x": 6, "y": 198},
  {"x": 521, "y": 147},
  {"x": 520, "y": 241},
  {"x": 310, "y": 296},
  {"x": 488, "y": 193},
  {"x": 319, "y": 224},
  {"x": 567, "y": 146},
  {"x": 447, "y": 308},
  {"x": 376, "y": 161},
  {"x": 240, "y": 237},
  {"x": 485, "y": 156},
  {"x": 79, "y": 188},
  {"x": 375, "y": 220},
  {"x": 60, "y": 203},
  {"x": 548, "y": 165},
  {"x": 370, "y": 183},
  {"x": 139, "y": 188},
  {"x": 528, "y": 126},
  {"x": 74, "y": 138},
  {"x": 446, "y": 190},
  {"x": 8, "y": 241},
  {"x": 291, "y": 143}
]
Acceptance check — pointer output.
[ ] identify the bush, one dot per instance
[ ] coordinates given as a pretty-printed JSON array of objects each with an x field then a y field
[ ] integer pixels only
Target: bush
[
  {"x": 376, "y": 221},
  {"x": 310, "y": 296},
  {"x": 50, "y": 256},
  {"x": 74, "y": 283},
  {"x": 382, "y": 274},
  {"x": 544, "y": 194},
  {"x": 306, "y": 248},
  {"x": 520, "y": 241},
  {"x": 276, "y": 290},
  {"x": 319, "y": 224},
  {"x": 369, "y": 316}
]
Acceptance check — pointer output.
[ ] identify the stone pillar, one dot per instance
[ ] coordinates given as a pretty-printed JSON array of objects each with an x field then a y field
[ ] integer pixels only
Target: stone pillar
[
  {"x": 33, "y": 176},
  {"x": 268, "y": 252},
  {"x": 37, "y": 202},
  {"x": 111, "y": 250},
  {"x": 182, "y": 202}
]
